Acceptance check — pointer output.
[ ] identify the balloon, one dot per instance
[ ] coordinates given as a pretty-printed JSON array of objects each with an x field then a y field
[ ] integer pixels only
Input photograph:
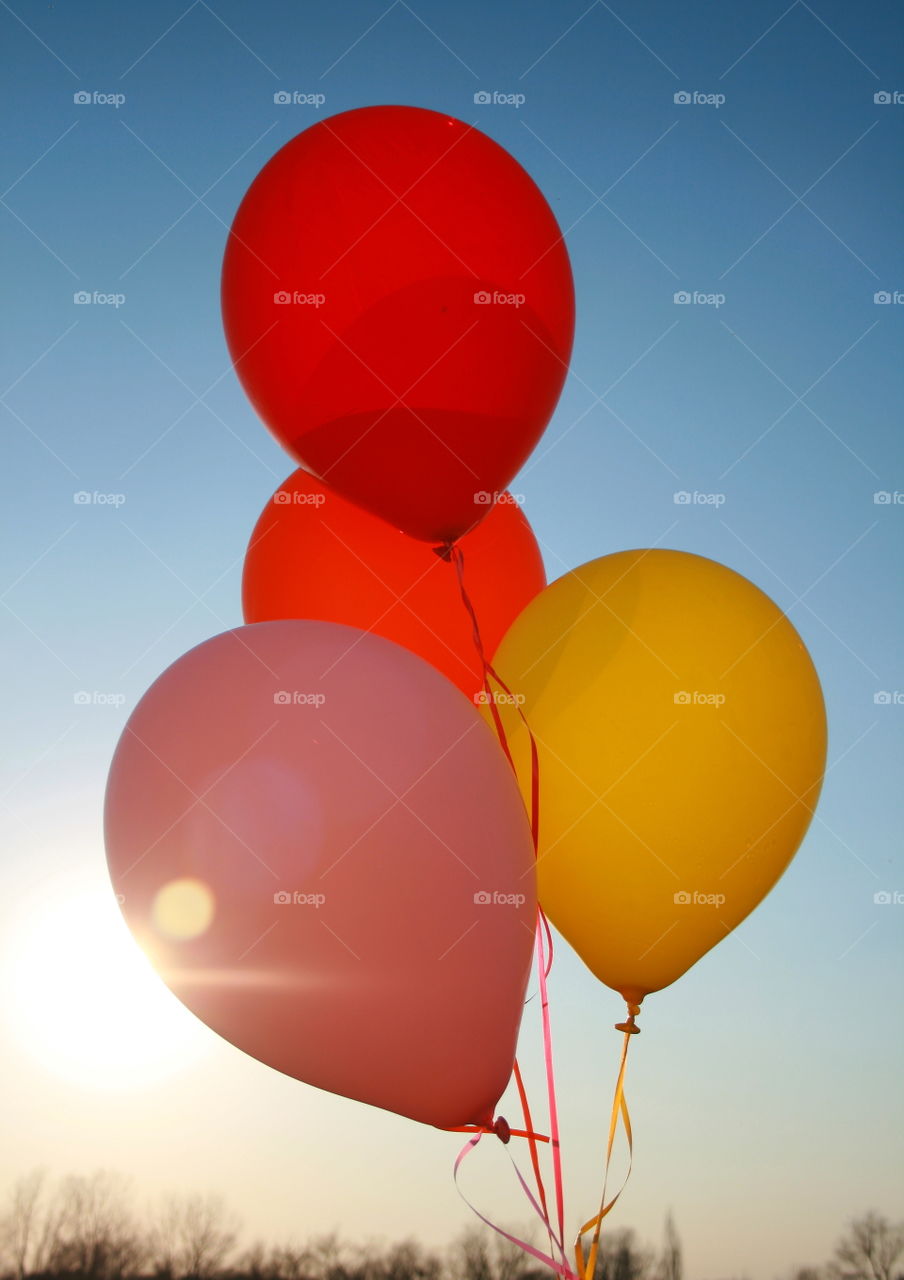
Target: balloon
[
  {"x": 398, "y": 304},
  {"x": 322, "y": 848},
  {"x": 314, "y": 555},
  {"x": 682, "y": 740}
]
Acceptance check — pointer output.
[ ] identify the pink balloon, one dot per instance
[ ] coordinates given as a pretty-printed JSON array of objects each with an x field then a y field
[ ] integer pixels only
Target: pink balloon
[{"x": 320, "y": 844}]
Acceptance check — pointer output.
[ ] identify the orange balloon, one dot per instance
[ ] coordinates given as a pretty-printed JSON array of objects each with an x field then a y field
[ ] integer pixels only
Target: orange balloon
[{"x": 313, "y": 554}]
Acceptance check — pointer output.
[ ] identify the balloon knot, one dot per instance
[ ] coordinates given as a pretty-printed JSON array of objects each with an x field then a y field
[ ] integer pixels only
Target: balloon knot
[
  {"x": 628, "y": 1026},
  {"x": 502, "y": 1130},
  {"x": 444, "y": 551}
]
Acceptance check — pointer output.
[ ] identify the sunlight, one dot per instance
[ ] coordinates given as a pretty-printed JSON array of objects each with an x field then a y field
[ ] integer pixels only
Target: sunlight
[
  {"x": 183, "y": 909},
  {"x": 86, "y": 1002}
]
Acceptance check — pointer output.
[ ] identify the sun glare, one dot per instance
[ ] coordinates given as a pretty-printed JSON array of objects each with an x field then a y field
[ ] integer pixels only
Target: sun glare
[{"x": 87, "y": 1003}]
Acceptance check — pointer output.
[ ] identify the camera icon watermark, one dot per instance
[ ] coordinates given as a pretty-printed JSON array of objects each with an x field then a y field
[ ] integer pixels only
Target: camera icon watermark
[
  {"x": 484, "y": 898},
  {"x": 695, "y": 698},
  {"x": 96, "y": 698},
  {"x": 885, "y": 498},
  {"x": 483, "y": 298},
  {"x": 283, "y": 898},
  {"x": 888, "y": 298},
  {"x": 83, "y": 98},
  {"x": 298, "y": 698},
  {"x": 889, "y": 898},
  {"x": 686, "y": 498},
  {"x": 286, "y": 498},
  {"x": 294, "y": 98},
  {"x": 684, "y": 298},
  {"x": 685, "y": 898},
  {"x": 888, "y": 698},
  {"x": 85, "y": 299},
  {"x": 483, "y": 498},
  {"x": 498, "y": 698},
  {"x": 494, "y": 98},
  {"x": 694, "y": 98},
  {"x": 94, "y": 499},
  {"x": 888, "y": 98},
  {"x": 285, "y": 298}
]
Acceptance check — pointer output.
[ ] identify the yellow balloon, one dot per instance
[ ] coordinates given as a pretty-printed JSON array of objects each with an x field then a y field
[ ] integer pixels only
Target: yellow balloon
[{"x": 682, "y": 737}]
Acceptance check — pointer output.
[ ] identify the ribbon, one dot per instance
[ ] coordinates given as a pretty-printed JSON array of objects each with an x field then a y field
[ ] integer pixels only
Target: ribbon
[
  {"x": 560, "y": 1267},
  {"x": 453, "y": 553},
  {"x": 586, "y": 1265}
]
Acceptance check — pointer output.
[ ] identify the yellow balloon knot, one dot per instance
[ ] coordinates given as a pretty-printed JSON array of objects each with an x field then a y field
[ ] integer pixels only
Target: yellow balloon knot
[{"x": 628, "y": 1026}]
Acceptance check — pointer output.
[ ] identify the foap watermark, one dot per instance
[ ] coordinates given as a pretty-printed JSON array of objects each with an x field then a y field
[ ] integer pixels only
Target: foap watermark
[
  {"x": 295, "y": 98},
  {"x": 94, "y": 499},
  {"x": 686, "y": 498},
  {"x": 484, "y": 898},
  {"x": 694, "y": 98},
  {"x": 483, "y": 498},
  {"x": 696, "y": 698},
  {"x": 889, "y": 898},
  {"x": 684, "y": 298},
  {"x": 888, "y": 98},
  {"x": 483, "y": 298},
  {"x": 96, "y": 698},
  {"x": 889, "y": 298},
  {"x": 283, "y": 898},
  {"x": 97, "y": 299},
  {"x": 885, "y": 499},
  {"x": 889, "y": 698},
  {"x": 498, "y": 698},
  {"x": 694, "y": 898},
  {"x": 287, "y": 498},
  {"x": 94, "y": 98},
  {"x": 294, "y": 298},
  {"x": 298, "y": 698},
  {"x": 495, "y": 98}
]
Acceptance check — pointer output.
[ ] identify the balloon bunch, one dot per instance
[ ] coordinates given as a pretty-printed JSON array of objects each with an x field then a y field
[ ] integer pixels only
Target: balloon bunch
[{"x": 334, "y": 857}]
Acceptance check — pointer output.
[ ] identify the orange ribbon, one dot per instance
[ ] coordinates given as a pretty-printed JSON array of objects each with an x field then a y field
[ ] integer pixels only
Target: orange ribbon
[{"x": 586, "y": 1264}]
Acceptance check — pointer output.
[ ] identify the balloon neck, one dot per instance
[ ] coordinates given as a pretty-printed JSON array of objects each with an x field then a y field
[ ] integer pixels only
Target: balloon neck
[
  {"x": 445, "y": 550},
  {"x": 502, "y": 1130},
  {"x": 628, "y": 1025}
]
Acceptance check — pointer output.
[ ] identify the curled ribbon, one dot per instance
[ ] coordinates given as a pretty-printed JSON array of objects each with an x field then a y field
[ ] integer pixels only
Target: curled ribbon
[
  {"x": 453, "y": 553},
  {"x": 586, "y": 1264}
]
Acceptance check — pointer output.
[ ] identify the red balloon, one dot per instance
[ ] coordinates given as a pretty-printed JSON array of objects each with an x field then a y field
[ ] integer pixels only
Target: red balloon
[
  {"x": 314, "y": 555},
  {"x": 324, "y": 851},
  {"x": 398, "y": 304}
]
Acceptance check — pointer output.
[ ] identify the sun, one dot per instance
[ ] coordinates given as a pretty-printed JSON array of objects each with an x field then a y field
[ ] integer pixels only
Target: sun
[{"x": 86, "y": 1002}]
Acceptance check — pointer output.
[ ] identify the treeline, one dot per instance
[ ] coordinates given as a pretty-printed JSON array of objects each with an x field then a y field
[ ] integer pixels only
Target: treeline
[{"x": 86, "y": 1228}]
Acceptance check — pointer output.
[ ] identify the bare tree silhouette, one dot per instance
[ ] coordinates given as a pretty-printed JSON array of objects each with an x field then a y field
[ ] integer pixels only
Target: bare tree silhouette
[
  {"x": 871, "y": 1250},
  {"x": 191, "y": 1237},
  {"x": 671, "y": 1266},
  {"x": 622, "y": 1258},
  {"x": 83, "y": 1228},
  {"x": 22, "y": 1224},
  {"x": 484, "y": 1255}
]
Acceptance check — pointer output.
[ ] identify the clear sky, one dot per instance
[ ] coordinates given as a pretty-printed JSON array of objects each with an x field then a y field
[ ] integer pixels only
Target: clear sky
[{"x": 766, "y": 1088}]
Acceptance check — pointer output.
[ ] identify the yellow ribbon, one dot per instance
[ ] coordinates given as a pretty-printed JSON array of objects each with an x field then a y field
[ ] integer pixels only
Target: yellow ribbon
[{"x": 586, "y": 1264}]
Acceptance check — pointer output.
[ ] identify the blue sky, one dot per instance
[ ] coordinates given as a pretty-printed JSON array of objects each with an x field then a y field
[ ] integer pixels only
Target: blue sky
[{"x": 766, "y": 1086}]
